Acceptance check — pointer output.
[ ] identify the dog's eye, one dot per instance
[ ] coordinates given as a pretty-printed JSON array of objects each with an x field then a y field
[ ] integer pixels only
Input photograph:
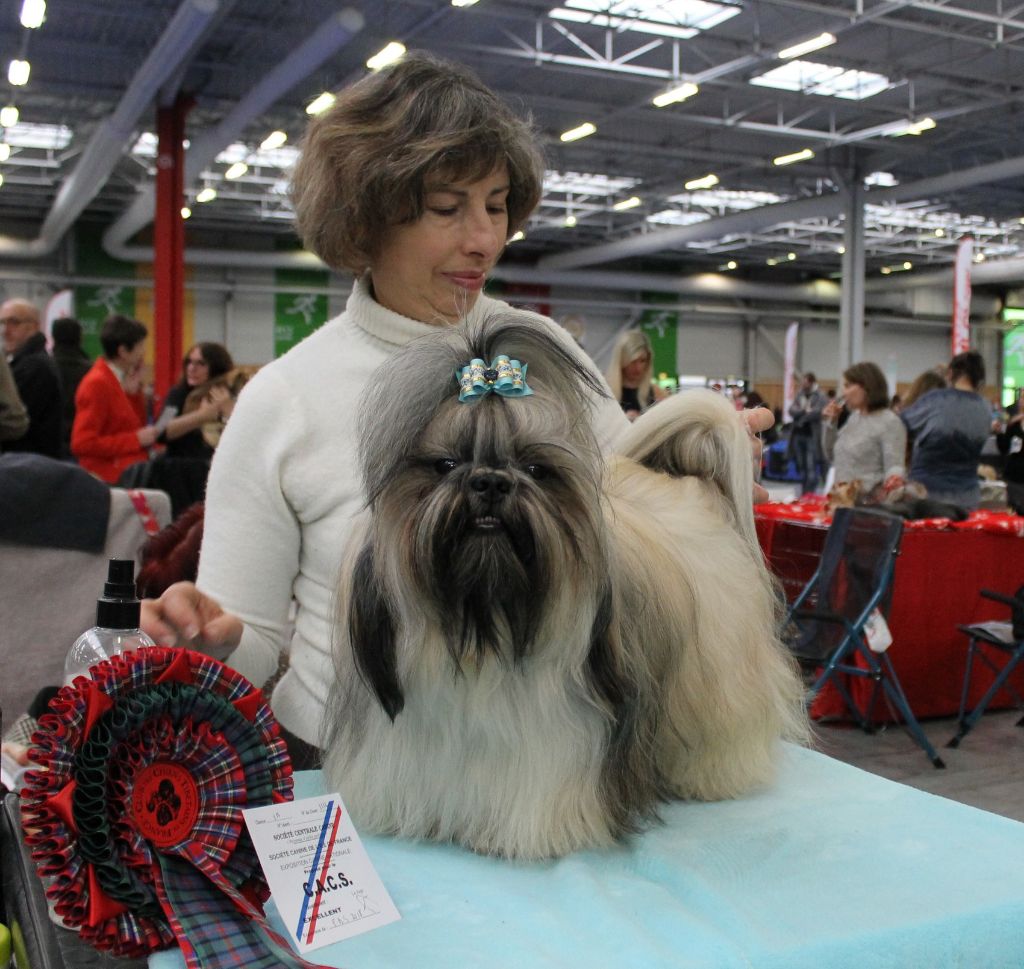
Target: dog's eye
[
  {"x": 445, "y": 465},
  {"x": 538, "y": 471}
]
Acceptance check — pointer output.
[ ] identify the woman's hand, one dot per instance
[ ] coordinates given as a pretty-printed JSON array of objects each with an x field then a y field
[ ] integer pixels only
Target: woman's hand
[
  {"x": 758, "y": 419},
  {"x": 147, "y": 435},
  {"x": 832, "y": 410},
  {"x": 221, "y": 400},
  {"x": 184, "y": 616}
]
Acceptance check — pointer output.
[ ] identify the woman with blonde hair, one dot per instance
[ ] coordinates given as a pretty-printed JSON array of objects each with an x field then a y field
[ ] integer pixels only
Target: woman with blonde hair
[{"x": 630, "y": 374}]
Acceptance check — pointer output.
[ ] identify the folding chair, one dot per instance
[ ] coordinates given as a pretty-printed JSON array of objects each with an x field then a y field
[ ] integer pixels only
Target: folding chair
[
  {"x": 1000, "y": 637},
  {"x": 825, "y": 626}
]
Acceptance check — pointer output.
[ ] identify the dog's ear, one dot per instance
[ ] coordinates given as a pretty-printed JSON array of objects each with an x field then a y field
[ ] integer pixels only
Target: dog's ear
[
  {"x": 371, "y": 631},
  {"x": 604, "y": 666}
]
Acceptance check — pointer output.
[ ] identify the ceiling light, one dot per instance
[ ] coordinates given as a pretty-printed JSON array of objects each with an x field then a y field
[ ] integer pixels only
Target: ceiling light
[
  {"x": 5, "y": 151},
  {"x": 676, "y": 94},
  {"x": 796, "y": 156},
  {"x": 940, "y": 233},
  {"x": 388, "y": 54},
  {"x": 18, "y": 72},
  {"x": 911, "y": 127},
  {"x": 274, "y": 140},
  {"x": 320, "y": 103},
  {"x": 708, "y": 181},
  {"x": 885, "y": 270},
  {"x": 772, "y": 262},
  {"x": 8, "y": 116},
  {"x": 237, "y": 170},
  {"x": 206, "y": 195},
  {"x": 908, "y": 265},
  {"x": 1, "y": 178},
  {"x": 806, "y": 46},
  {"x": 517, "y": 236},
  {"x": 570, "y": 221},
  {"x": 791, "y": 256},
  {"x": 186, "y": 212},
  {"x": 631, "y": 203},
  {"x": 580, "y": 131},
  {"x": 809, "y": 77},
  {"x": 979, "y": 257},
  {"x": 33, "y": 13},
  {"x": 880, "y": 180},
  {"x": 463, "y": 3},
  {"x": 725, "y": 267},
  {"x": 841, "y": 250}
]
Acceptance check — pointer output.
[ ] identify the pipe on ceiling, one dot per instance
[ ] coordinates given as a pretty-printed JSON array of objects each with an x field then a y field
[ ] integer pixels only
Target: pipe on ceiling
[
  {"x": 325, "y": 41},
  {"x": 111, "y": 137},
  {"x": 767, "y": 215},
  {"x": 996, "y": 271}
]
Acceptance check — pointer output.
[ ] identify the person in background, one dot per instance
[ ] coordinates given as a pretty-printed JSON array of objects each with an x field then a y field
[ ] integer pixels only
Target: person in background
[
  {"x": 1010, "y": 441},
  {"x": 870, "y": 449},
  {"x": 805, "y": 433},
  {"x": 630, "y": 374},
  {"x": 181, "y": 432},
  {"x": 413, "y": 180},
  {"x": 110, "y": 431},
  {"x": 35, "y": 375},
  {"x": 923, "y": 383},
  {"x": 13, "y": 416},
  {"x": 948, "y": 428},
  {"x": 73, "y": 364}
]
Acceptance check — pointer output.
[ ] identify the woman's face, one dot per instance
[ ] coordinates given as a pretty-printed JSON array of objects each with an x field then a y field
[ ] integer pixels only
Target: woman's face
[
  {"x": 635, "y": 369},
  {"x": 433, "y": 269},
  {"x": 854, "y": 396},
  {"x": 197, "y": 370}
]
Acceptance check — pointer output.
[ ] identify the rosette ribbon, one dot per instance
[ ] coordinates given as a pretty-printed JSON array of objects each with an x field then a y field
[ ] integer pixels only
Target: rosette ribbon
[
  {"x": 134, "y": 818},
  {"x": 504, "y": 377}
]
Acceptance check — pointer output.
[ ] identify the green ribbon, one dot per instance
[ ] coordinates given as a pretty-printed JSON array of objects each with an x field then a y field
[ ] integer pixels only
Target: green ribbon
[{"x": 505, "y": 377}]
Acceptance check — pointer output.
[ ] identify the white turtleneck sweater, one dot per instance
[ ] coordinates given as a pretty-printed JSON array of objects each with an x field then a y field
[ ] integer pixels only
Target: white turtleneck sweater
[{"x": 285, "y": 486}]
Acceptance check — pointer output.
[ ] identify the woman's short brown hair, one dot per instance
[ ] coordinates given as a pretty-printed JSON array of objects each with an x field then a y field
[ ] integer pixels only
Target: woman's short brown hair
[
  {"x": 871, "y": 378},
  {"x": 365, "y": 161}
]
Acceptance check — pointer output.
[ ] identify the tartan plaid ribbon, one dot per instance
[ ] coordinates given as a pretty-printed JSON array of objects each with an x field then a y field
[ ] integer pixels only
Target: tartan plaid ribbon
[{"x": 135, "y": 817}]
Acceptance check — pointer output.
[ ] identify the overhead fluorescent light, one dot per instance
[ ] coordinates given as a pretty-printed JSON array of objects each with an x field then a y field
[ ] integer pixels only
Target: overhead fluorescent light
[
  {"x": 796, "y": 156},
  {"x": 463, "y": 3},
  {"x": 631, "y": 203},
  {"x": 388, "y": 54},
  {"x": 18, "y": 72},
  {"x": 707, "y": 181},
  {"x": 772, "y": 262},
  {"x": 237, "y": 170},
  {"x": 5, "y": 151},
  {"x": 587, "y": 183},
  {"x": 8, "y": 116},
  {"x": 677, "y": 217},
  {"x": 725, "y": 267},
  {"x": 911, "y": 127},
  {"x": 186, "y": 212},
  {"x": 675, "y": 94},
  {"x": 1, "y": 178},
  {"x": 206, "y": 195},
  {"x": 810, "y": 77},
  {"x": 47, "y": 137},
  {"x": 681, "y": 19},
  {"x": 274, "y": 140},
  {"x": 805, "y": 47},
  {"x": 320, "y": 103},
  {"x": 580, "y": 131},
  {"x": 881, "y": 179},
  {"x": 517, "y": 236},
  {"x": 33, "y": 13}
]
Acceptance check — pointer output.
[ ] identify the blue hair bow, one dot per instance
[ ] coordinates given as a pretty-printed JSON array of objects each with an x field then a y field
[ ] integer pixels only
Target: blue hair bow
[{"x": 504, "y": 376}]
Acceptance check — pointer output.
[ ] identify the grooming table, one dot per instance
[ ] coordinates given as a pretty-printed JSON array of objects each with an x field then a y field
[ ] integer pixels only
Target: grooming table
[{"x": 831, "y": 867}]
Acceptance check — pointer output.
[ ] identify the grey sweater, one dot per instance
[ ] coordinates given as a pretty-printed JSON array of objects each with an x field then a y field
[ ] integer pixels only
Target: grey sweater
[{"x": 869, "y": 448}]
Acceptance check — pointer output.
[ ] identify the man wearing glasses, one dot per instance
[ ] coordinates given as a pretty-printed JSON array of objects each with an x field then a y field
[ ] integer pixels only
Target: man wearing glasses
[{"x": 35, "y": 375}]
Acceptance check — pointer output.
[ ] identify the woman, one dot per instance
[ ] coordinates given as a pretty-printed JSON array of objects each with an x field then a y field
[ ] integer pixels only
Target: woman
[
  {"x": 181, "y": 432},
  {"x": 630, "y": 374},
  {"x": 923, "y": 384},
  {"x": 1010, "y": 441},
  {"x": 413, "y": 181},
  {"x": 871, "y": 446},
  {"x": 948, "y": 428}
]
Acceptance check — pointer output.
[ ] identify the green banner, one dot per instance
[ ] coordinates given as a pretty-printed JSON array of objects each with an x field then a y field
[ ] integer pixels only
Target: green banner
[
  {"x": 296, "y": 313},
  {"x": 661, "y": 327},
  {"x": 1013, "y": 362},
  {"x": 93, "y": 304}
]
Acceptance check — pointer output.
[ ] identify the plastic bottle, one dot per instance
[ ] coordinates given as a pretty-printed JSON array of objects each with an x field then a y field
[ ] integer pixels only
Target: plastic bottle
[{"x": 117, "y": 623}]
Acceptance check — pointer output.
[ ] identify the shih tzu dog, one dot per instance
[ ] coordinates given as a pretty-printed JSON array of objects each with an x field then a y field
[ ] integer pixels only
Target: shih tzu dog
[{"x": 538, "y": 645}]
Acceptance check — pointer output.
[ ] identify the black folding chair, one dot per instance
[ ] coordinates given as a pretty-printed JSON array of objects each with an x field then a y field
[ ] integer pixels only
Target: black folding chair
[
  {"x": 995, "y": 638},
  {"x": 825, "y": 627}
]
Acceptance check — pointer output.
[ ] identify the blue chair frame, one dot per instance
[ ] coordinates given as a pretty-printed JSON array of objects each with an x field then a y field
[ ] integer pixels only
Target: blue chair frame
[
  {"x": 826, "y": 623},
  {"x": 982, "y": 636}
]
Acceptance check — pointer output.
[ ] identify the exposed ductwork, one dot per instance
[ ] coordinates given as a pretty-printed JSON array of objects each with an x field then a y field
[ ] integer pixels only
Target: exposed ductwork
[
  {"x": 1000, "y": 271},
  {"x": 325, "y": 41},
  {"x": 752, "y": 220},
  {"x": 108, "y": 142}
]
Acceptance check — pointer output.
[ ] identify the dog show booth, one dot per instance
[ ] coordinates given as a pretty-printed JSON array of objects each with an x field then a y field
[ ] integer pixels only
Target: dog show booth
[{"x": 939, "y": 571}]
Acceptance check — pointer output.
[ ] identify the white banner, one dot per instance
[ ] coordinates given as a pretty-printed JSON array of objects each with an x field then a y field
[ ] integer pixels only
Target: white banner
[
  {"x": 962, "y": 296},
  {"x": 789, "y": 370}
]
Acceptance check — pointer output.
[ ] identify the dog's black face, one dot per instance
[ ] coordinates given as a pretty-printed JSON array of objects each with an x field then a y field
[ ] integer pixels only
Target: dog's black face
[{"x": 490, "y": 512}]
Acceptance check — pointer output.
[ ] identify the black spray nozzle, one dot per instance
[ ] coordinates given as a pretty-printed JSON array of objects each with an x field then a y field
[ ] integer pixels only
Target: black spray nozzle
[
  {"x": 118, "y": 608},
  {"x": 120, "y": 582}
]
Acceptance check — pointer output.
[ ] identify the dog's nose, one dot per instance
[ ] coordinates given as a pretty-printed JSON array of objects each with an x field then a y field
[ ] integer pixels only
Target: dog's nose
[{"x": 491, "y": 484}]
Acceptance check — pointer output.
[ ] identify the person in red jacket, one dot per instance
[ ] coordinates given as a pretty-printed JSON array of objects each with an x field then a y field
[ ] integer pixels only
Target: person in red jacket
[{"x": 110, "y": 432}]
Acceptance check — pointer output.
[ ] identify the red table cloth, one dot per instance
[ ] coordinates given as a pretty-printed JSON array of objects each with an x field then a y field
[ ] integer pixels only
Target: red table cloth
[{"x": 939, "y": 571}]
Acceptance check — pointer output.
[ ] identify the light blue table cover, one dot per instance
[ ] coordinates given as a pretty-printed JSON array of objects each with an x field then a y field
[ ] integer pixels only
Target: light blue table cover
[{"x": 830, "y": 868}]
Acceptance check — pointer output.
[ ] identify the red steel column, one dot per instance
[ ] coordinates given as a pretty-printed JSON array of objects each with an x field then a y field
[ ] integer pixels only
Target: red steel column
[{"x": 169, "y": 246}]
